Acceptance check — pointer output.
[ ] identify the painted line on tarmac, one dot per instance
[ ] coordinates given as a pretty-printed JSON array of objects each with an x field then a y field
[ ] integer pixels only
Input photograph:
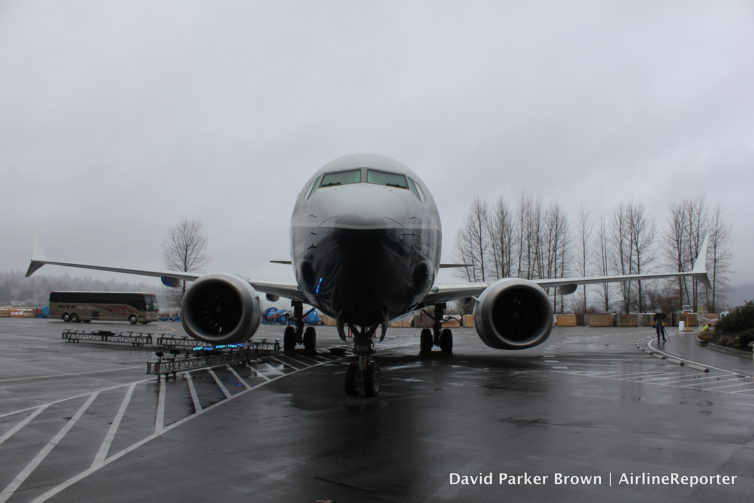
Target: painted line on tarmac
[
  {"x": 92, "y": 469},
  {"x": 694, "y": 364}
]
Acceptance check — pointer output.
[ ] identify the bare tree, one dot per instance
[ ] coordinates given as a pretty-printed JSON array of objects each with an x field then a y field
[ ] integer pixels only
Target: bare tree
[
  {"x": 584, "y": 237},
  {"x": 603, "y": 253},
  {"x": 501, "y": 232},
  {"x": 185, "y": 249},
  {"x": 641, "y": 231},
  {"x": 719, "y": 259}
]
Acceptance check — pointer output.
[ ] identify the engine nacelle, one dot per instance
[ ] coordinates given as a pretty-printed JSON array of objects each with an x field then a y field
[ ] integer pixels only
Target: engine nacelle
[
  {"x": 513, "y": 314},
  {"x": 221, "y": 309}
]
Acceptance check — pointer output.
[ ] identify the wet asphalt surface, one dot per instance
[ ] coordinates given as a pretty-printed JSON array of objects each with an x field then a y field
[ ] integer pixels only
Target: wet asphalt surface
[{"x": 83, "y": 422}]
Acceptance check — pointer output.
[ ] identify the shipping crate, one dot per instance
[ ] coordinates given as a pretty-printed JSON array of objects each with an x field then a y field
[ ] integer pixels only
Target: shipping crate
[
  {"x": 689, "y": 319},
  {"x": 400, "y": 324},
  {"x": 600, "y": 320},
  {"x": 468, "y": 320},
  {"x": 4, "y": 312},
  {"x": 565, "y": 320},
  {"x": 627, "y": 320},
  {"x": 453, "y": 323}
]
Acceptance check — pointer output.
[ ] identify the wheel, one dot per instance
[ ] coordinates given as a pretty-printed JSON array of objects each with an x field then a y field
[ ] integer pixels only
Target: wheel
[
  {"x": 372, "y": 378},
  {"x": 66, "y": 317},
  {"x": 132, "y": 319},
  {"x": 289, "y": 339},
  {"x": 446, "y": 340},
  {"x": 426, "y": 340},
  {"x": 353, "y": 379},
  {"x": 310, "y": 339},
  {"x": 74, "y": 318}
]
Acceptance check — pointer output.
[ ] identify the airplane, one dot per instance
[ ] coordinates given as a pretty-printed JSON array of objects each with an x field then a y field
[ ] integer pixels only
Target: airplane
[{"x": 365, "y": 249}]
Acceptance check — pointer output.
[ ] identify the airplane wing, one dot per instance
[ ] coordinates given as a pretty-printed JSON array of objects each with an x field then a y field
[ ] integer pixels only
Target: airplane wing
[
  {"x": 169, "y": 278},
  {"x": 569, "y": 285}
]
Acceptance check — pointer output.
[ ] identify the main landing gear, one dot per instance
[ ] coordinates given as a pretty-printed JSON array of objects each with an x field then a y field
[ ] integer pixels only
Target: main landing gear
[
  {"x": 436, "y": 336},
  {"x": 296, "y": 334},
  {"x": 363, "y": 376}
]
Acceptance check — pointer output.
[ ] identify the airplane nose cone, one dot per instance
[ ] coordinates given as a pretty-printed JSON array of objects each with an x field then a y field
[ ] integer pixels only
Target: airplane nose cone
[{"x": 365, "y": 206}]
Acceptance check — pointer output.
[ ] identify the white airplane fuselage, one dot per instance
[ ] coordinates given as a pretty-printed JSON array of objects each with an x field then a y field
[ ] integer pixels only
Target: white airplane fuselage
[{"x": 365, "y": 251}]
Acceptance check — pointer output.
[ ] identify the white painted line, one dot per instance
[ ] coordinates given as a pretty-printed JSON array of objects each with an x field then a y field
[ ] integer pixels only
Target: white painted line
[
  {"x": 304, "y": 357},
  {"x": 300, "y": 359},
  {"x": 107, "y": 442},
  {"x": 159, "y": 420},
  {"x": 76, "y": 478},
  {"x": 192, "y": 391},
  {"x": 34, "y": 463},
  {"x": 285, "y": 363},
  {"x": 23, "y": 423},
  {"x": 232, "y": 370},
  {"x": 749, "y": 383},
  {"x": 257, "y": 373},
  {"x": 81, "y": 395},
  {"x": 272, "y": 370},
  {"x": 219, "y": 383}
]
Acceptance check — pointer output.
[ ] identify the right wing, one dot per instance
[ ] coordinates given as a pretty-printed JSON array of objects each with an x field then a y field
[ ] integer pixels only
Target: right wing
[{"x": 452, "y": 292}]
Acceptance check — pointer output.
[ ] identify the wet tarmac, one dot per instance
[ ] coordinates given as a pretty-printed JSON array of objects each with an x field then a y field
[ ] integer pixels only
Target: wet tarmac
[{"x": 83, "y": 422}]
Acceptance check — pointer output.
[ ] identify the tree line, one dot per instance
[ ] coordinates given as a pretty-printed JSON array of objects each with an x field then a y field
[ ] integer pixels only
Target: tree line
[{"x": 528, "y": 239}]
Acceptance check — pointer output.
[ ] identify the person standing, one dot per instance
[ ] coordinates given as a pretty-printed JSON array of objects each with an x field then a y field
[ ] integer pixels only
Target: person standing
[{"x": 660, "y": 327}]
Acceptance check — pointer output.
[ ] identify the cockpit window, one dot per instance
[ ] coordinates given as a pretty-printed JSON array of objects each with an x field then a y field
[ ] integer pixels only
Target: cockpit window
[
  {"x": 313, "y": 186},
  {"x": 385, "y": 178},
  {"x": 341, "y": 178},
  {"x": 415, "y": 189}
]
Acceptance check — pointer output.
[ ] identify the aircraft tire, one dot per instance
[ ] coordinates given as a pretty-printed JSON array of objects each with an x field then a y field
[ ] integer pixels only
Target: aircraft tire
[
  {"x": 352, "y": 379},
  {"x": 310, "y": 339},
  {"x": 289, "y": 339},
  {"x": 446, "y": 340},
  {"x": 372, "y": 379},
  {"x": 426, "y": 341}
]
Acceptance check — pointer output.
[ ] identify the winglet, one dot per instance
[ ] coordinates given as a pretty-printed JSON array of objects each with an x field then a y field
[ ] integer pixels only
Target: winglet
[
  {"x": 700, "y": 265},
  {"x": 38, "y": 258}
]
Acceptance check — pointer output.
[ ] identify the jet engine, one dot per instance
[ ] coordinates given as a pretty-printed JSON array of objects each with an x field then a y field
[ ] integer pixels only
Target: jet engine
[
  {"x": 221, "y": 309},
  {"x": 513, "y": 314}
]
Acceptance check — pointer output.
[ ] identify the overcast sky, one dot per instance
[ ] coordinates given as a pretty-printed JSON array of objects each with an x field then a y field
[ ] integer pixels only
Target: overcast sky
[{"x": 119, "y": 119}]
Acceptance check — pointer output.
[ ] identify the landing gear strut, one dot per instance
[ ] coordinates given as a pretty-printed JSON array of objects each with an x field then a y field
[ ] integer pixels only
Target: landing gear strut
[
  {"x": 436, "y": 336},
  {"x": 363, "y": 376},
  {"x": 296, "y": 334}
]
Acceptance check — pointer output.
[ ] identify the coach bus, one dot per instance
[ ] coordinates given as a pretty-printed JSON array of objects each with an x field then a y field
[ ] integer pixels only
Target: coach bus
[{"x": 105, "y": 306}]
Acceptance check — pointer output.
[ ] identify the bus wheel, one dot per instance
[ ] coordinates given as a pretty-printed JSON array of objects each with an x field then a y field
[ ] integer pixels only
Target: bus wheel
[
  {"x": 66, "y": 317},
  {"x": 132, "y": 319},
  {"x": 74, "y": 318}
]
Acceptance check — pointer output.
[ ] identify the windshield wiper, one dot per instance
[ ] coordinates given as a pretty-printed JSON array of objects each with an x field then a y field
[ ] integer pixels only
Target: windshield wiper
[{"x": 330, "y": 184}]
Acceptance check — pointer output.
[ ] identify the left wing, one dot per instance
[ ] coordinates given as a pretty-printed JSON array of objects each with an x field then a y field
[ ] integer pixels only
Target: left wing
[
  {"x": 169, "y": 278},
  {"x": 568, "y": 285}
]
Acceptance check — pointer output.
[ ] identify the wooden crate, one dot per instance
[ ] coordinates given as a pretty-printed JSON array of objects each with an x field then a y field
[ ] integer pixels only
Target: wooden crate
[
  {"x": 627, "y": 320},
  {"x": 689, "y": 319},
  {"x": 4, "y": 312},
  {"x": 600, "y": 320},
  {"x": 565, "y": 320},
  {"x": 468, "y": 320},
  {"x": 400, "y": 324},
  {"x": 452, "y": 324}
]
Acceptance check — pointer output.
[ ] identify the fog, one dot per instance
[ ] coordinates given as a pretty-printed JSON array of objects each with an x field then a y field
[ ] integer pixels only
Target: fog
[{"x": 119, "y": 119}]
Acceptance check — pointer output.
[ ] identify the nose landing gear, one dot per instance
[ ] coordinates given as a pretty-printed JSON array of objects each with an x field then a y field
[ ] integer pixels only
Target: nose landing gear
[{"x": 363, "y": 376}]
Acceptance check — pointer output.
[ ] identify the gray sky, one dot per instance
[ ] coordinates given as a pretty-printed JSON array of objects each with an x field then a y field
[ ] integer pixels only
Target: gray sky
[{"x": 119, "y": 119}]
